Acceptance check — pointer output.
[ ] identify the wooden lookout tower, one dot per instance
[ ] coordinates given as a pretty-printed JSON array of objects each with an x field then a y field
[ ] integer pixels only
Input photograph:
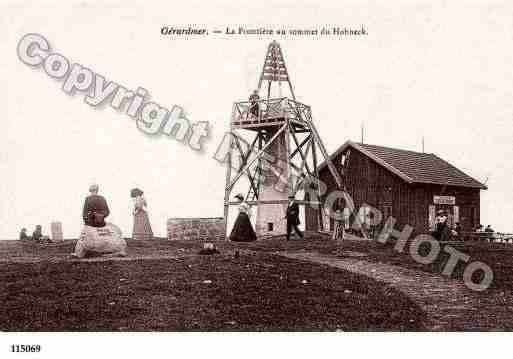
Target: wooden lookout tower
[{"x": 273, "y": 149}]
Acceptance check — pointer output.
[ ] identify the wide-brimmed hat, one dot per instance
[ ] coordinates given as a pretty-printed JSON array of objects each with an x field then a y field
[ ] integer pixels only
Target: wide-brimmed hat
[
  {"x": 239, "y": 196},
  {"x": 292, "y": 197},
  {"x": 135, "y": 192}
]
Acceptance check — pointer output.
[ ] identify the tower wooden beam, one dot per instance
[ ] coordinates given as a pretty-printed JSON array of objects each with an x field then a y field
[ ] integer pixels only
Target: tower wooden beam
[{"x": 258, "y": 155}]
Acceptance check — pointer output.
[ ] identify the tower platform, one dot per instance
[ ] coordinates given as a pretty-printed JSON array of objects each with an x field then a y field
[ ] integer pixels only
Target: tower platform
[{"x": 272, "y": 112}]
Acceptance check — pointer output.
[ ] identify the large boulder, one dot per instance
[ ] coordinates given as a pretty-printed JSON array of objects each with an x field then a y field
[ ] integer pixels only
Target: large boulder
[{"x": 100, "y": 240}]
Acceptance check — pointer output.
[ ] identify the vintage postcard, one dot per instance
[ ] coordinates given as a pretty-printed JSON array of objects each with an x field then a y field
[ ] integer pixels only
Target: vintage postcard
[{"x": 241, "y": 167}]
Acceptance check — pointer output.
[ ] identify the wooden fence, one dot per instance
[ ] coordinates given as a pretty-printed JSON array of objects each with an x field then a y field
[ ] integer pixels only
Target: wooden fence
[{"x": 485, "y": 237}]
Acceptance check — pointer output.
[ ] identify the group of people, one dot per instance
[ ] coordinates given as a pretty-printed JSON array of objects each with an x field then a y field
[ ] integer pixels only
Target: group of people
[
  {"x": 101, "y": 237},
  {"x": 443, "y": 231},
  {"x": 96, "y": 210},
  {"x": 37, "y": 235},
  {"x": 243, "y": 231},
  {"x": 481, "y": 229}
]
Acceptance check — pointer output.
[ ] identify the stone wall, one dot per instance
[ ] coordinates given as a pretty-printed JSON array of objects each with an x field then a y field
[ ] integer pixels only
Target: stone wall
[{"x": 195, "y": 228}]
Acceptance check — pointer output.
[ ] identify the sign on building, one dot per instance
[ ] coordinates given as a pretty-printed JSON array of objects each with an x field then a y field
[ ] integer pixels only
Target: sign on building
[{"x": 451, "y": 200}]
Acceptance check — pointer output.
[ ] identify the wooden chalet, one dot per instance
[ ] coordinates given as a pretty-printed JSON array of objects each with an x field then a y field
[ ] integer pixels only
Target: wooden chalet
[{"x": 409, "y": 186}]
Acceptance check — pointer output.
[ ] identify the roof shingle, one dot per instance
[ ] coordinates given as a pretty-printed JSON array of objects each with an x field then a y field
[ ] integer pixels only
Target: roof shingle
[{"x": 415, "y": 167}]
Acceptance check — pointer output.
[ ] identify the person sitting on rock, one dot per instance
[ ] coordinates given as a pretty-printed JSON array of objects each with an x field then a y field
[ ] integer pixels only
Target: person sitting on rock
[
  {"x": 98, "y": 237},
  {"x": 95, "y": 208}
]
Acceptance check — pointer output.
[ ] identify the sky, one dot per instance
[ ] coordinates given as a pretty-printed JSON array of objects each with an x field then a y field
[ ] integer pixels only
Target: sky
[{"x": 439, "y": 71}]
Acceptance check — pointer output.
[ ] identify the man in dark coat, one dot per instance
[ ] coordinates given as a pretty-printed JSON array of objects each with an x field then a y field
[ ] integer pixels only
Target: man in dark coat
[
  {"x": 293, "y": 218},
  {"x": 254, "y": 107},
  {"x": 442, "y": 230},
  {"x": 95, "y": 208}
]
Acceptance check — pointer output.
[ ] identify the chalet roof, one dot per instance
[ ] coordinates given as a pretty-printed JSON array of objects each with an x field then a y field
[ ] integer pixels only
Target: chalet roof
[{"x": 413, "y": 167}]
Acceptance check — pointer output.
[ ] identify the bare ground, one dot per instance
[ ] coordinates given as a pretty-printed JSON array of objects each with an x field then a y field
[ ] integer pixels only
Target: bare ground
[{"x": 167, "y": 286}]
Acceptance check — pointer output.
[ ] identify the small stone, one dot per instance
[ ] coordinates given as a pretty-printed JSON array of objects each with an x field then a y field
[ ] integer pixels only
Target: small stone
[
  {"x": 304, "y": 281},
  {"x": 207, "y": 281},
  {"x": 347, "y": 291}
]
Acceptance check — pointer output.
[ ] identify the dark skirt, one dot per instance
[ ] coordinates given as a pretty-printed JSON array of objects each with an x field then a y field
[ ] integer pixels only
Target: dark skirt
[
  {"x": 95, "y": 219},
  {"x": 242, "y": 230}
]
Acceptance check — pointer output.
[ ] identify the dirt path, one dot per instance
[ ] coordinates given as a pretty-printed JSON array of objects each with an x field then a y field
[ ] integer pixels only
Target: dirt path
[{"x": 449, "y": 305}]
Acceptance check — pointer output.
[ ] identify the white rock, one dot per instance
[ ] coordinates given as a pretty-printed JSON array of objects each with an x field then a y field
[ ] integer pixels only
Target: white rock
[{"x": 107, "y": 239}]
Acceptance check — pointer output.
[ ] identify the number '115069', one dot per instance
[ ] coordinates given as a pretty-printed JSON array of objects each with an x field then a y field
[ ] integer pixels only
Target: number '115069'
[{"x": 15, "y": 348}]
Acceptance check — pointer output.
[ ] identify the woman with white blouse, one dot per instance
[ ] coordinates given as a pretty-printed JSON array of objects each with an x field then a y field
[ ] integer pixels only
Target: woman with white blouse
[{"x": 242, "y": 229}]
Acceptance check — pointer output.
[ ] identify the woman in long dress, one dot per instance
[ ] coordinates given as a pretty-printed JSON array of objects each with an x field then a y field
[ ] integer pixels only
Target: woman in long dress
[
  {"x": 142, "y": 227},
  {"x": 242, "y": 230}
]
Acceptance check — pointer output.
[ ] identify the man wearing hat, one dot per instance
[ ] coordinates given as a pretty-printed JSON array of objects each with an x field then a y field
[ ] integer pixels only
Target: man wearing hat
[
  {"x": 95, "y": 208},
  {"x": 293, "y": 218},
  {"x": 441, "y": 229}
]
